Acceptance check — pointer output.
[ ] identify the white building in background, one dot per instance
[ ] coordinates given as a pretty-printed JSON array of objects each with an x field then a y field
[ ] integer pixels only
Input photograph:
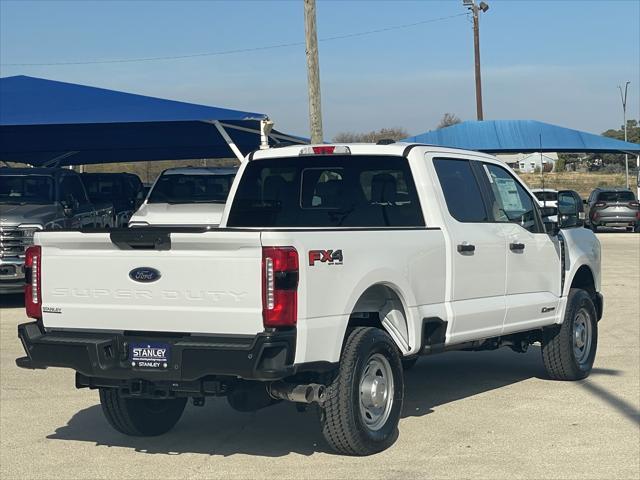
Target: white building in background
[{"x": 529, "y": 162}]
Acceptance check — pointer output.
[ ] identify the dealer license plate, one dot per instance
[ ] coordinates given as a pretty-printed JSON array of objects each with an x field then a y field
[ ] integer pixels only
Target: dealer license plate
[{"x": 153, "y": 356}]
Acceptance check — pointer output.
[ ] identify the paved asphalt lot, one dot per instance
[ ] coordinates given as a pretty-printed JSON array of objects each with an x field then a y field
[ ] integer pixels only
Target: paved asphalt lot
[{"x": 479, "y": 415}]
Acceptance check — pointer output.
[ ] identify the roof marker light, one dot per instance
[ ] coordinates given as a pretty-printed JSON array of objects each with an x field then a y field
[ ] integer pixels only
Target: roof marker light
[{"x": 326, "y": 150}]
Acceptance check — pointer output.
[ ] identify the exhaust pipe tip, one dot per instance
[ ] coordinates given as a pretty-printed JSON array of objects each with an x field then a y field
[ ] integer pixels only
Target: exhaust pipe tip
[{"x": 309, "y": 393}]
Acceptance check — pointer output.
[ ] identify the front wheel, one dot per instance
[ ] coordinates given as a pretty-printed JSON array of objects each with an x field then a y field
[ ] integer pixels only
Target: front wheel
[
  {"x": 363, "y": 402},
  {"x": 140, "y": 417},
  {"x": 569, "y": 349}
]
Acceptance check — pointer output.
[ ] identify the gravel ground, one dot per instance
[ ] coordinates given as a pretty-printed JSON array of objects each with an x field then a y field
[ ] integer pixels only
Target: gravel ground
[{"x": 479, "y": 415}]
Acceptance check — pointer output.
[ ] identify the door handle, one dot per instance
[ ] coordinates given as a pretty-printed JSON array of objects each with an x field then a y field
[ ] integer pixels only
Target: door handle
[
  {"x": 516, "y": 246},
  {"x": 464, "y": 248}
]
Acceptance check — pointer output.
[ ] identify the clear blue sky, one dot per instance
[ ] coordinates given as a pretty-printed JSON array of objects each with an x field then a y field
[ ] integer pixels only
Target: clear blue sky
[{"x": 555, "y": 61}]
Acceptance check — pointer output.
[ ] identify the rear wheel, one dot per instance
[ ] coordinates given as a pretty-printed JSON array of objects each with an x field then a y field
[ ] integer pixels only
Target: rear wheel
[
  {"x": 140, "y": 417},
  {"x": 569, "y": 350},
  {"x": 363, "y": 402}
]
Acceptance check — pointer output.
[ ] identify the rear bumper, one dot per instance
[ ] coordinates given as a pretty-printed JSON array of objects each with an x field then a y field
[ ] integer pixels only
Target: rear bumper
[
  {"x": 266, "y": 356},
  {"x": 610, "y": 218}
]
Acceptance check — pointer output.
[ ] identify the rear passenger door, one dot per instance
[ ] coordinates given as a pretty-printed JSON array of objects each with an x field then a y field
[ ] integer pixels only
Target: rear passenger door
[
  {"x": 477, "y": 253},
  {"x": 533, "y": 256}
]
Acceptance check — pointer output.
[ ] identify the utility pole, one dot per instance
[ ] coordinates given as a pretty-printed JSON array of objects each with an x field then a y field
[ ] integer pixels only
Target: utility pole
[
  {"x": 313, "y": 71},
  {"x": 471, "y": 5},
  {"x": 623, "y": 97}
]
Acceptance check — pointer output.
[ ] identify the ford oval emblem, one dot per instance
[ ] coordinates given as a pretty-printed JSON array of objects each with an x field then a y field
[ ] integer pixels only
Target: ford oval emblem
[{"x": 144, "y": 274}]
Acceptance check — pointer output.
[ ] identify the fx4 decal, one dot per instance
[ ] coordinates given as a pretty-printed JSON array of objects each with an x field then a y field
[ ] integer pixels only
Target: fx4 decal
[{"x": 332, "y": 257}]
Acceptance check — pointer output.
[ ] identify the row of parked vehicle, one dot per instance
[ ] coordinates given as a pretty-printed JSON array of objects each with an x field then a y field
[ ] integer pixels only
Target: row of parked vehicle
[
  {"x": 35, "y": 199},
  {"x": 605, "y": 207}
]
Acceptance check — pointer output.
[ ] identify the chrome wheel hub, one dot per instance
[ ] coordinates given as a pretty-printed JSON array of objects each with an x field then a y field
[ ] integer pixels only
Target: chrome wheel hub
[
  {"x": 582, "y": 336},
  {"x": 376, "y": 392}
]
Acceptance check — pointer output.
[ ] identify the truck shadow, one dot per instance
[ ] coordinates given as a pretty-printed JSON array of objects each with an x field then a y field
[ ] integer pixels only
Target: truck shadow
[
  {"x": 216, "y": 429},
  {"x": 11, "y": 300}
]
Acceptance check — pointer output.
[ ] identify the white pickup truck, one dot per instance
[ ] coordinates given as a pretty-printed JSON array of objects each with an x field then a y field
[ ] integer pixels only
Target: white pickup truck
[
  {"x": 334, "y": 267},
  {"x": 187, "y": 196}
]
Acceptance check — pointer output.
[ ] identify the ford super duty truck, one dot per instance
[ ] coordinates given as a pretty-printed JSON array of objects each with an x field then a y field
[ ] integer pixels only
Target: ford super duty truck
[{"x": 334, "y": 267}]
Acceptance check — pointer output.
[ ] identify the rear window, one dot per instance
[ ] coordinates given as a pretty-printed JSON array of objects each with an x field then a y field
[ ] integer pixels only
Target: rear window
[
  {"x": 327, "y": 191},
  {"x": 26, "y": 189},
  {"x": 623, "y": 196},
  {"x": 546, "y": 196},
  {"x": 104, "y": 188},
  {"x": 179, "y": 188}
]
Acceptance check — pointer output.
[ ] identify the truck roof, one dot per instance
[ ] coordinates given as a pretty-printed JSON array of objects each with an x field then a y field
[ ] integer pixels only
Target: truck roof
[
  {"x": 398, "y": 148},
  {"x": 34, "y": 171},
  {"x": 201, "y": 171}
]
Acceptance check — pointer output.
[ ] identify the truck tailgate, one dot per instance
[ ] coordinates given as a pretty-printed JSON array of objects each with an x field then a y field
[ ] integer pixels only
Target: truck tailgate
[{"x": 209, "y": 282}]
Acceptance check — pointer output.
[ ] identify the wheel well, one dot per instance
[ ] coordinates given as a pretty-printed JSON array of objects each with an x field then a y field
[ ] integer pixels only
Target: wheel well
[
  {"x": 380, "y": 306},
  {"x": 583, "y": 279}
]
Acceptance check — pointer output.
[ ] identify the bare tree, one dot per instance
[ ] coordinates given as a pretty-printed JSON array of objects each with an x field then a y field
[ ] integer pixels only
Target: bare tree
[
  {"x": 447, "y": 120},
  {"x": 395, "y": 133}
]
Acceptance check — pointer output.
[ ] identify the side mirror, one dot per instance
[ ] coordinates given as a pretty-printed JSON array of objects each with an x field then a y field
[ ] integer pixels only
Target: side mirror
[
  {"x": 569, "y": 209},
  {"x": 548, "y": 211},
  {"x": 67, "y": 207}
]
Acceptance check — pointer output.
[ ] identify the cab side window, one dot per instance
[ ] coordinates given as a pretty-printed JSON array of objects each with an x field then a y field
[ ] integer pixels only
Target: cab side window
[
  {"x": 71, "y": 190},
  {"x": 461, "y": 190},
  {"x": 511, "y": 202}
]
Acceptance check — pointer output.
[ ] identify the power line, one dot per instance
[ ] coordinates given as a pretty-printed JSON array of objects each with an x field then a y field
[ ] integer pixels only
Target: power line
[{"x": 238, "y": 50}]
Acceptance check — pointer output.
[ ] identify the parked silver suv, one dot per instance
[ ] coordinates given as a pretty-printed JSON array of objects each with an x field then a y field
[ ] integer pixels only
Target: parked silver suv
[{"x": 613, "y": 207}]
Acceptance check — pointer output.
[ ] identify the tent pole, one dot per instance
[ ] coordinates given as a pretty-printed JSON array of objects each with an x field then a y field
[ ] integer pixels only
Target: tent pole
[
  {"x": 274, "y": 136},
  {"x": 55, "y": 161},
  {"x": 229, "y": 140}
]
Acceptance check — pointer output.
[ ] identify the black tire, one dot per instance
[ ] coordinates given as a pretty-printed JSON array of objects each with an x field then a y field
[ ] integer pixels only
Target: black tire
[
  {"x": 409, "y": 363},
  {"x": 342, "y": 417},
  {"x": 563, "y": 359},
  {"x": 140, "y": 417},
  {"x": 594, "y": 228}
]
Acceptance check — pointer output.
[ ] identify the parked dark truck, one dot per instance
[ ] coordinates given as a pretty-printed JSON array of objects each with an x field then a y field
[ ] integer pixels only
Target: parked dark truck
[
  {"x": 33, "y": 199},
  {"x": 123, "y": 190}
]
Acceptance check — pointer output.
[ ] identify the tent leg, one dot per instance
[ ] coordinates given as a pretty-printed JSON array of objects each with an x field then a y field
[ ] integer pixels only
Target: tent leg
[{"x": 229, "y": 140}]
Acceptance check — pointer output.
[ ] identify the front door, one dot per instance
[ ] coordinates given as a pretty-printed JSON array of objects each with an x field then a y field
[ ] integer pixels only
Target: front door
[
  {"x": 477, "y": 254},
  {"x": 533, "y": 256}
]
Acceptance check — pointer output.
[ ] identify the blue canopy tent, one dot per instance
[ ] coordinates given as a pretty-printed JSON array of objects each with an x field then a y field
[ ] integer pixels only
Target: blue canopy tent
[
  {"x": 45, "y": 122},
  {"x": 521, "y": 136}
]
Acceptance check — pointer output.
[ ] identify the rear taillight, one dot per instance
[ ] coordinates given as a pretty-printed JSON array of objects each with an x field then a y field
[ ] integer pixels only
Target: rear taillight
[
  {"x": 33, "y": 284},
  {"x": 600, "y": 204},
  {"x": 279, "y": 286}
]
